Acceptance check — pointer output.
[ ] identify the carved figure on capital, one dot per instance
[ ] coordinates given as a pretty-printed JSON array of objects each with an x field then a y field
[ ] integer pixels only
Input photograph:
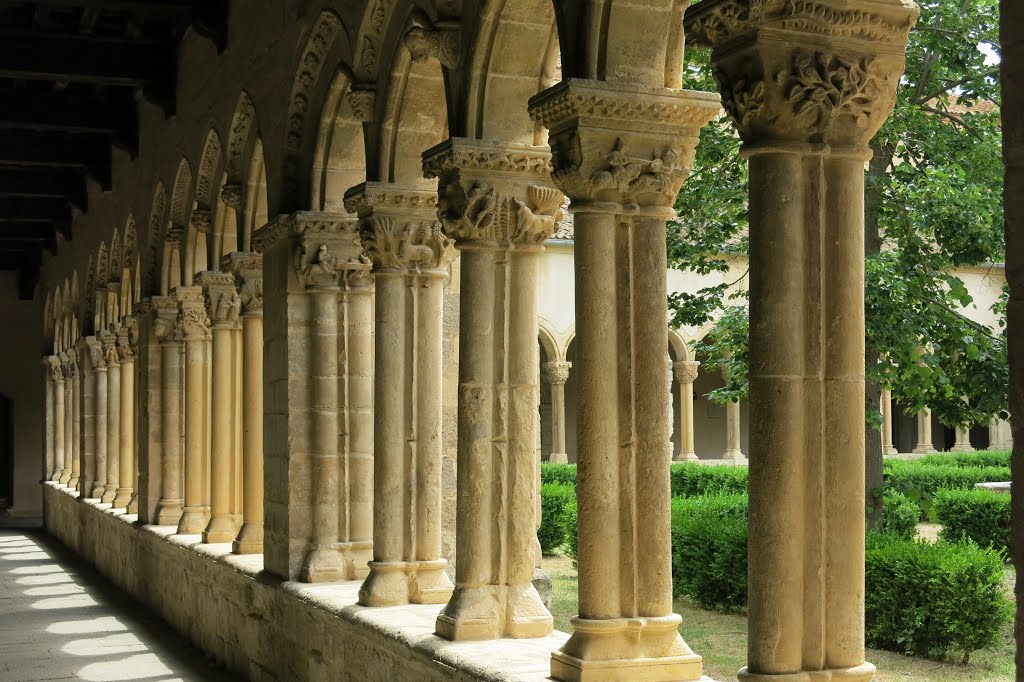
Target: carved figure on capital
[
  {"x": 96, "y": 355},
  {"x": 441, "y": 43},
  {"x": 192, "y": 315},
  {"x": 250, "y": 292},
  {"x": 231, "y": 195},
  {"x": 391, "y": 243},
  {"x": 125, "y": 347},
  {"x": 229, "y": 307},
  {"x": 56, "y": 369},
  {"x": 686, "y": 371},
  {"x": 109, "y": 340}
]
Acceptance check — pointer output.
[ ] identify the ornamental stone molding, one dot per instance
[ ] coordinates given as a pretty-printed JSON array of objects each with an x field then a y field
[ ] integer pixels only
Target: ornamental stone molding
[
  {"x": 231, "y": 195},
  {"x": 626, "y": 144},
  {"x": 192, "y": 315},
  {"x": 440, "y": 42},
  {"x": 109, "y": 341},
  {"x": 686, "y": 371},
  {"x": 398, "y": 226},
  {"x": 494, "y": 192},
  {"x": 816, "y": 72},
  {"x": 247, "y": 269},
  {"x": 362, "y": 102},
  {"x": 175, "y": 236},
  {"x": 201, "y": 220},
  {"x": 55, "y": 367},
  {"x": 165, "y": 318},
  {"x": 557, "y": 373},
  {"x": 223, "y": 305},
  {"x": 125, "y": 340}
]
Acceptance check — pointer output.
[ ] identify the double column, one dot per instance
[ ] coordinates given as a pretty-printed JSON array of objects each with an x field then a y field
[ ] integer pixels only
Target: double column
[
  {"x": 319, "y": 500},
  {"x": 497, "y": 202},
  {"x": 195, "y": 327},
  {"x": 94, "y": 404},
  {"x": 925, "y": 445},
  {"x": 402, "y": 237},
  {"x": 72, "y": 416},
  {"x": 888, "y": 448},
  {"x": 113, "y": 415},
  {"x": 164, "y": 385},
  {"x": 807, "y": 95},
  {"x": 127, "y": 473},
  {"x": 557, "y": 374},
  {"x": 686, "y": 373},
  {"x": 53, "y": 422},
  {"x": 621, "y": 153}
]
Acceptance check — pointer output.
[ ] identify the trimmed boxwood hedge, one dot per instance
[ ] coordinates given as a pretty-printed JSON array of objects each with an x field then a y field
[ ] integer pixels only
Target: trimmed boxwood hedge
[
  {"x": 921, "y": 481},
  {"x": 570, "y": 531},
  {"x": 979, "y": 515},
  {"x": 558, "y": 473},
  {"x": 709, "y": 550},
  {"x": 933, "y": 600},
  {"x": 899, "y": 515},
  {"x": 553, "y": 499},
  {"x": 980, "y": 458},
  {"x": 690, "y": 479}
]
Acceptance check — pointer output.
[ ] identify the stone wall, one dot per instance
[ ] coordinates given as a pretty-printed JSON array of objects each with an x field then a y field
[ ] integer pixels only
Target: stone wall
[{"x": 273, "y": 630}]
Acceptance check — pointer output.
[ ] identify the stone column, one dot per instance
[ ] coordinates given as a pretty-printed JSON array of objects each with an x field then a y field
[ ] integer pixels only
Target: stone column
[
  {"x": 169, "y": 334},
  {"x": 963, "y": 440},
  {"x": 49, "y": 462},
  {"x": 999, "y": 434},
  {"x": 87, "y": 418},
  {"x": 99, "y": 416},
  {"x": 306, "y": 257},
  {"x": 686, "y": 374},
  {"x": 733, "y": 434},
  {"x": 807, "y": 87},
  {"x": 75, "y": 408},
  {"x": 248, "y": 271},
  {"x": 401, "y": 236},
  {"x": 195, "y": 326},
  {"x": 887, "y": 445},
  {"x": 924, "y": 433},
  {"x": 498, "y": 203},
  {"x": 621, "y": 152},
  {"x": 69, "y": 417},
  {"x": 113, "y": 416},
  {"x": 55, "y": 432},
  {"x": 557, "y": 373},
  {"x": 224, "y": 307},
  {"x": 126, "y": 408}
]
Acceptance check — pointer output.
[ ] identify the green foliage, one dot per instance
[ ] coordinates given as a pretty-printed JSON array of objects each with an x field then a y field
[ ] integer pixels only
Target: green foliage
[
  {"x": 690, "y": 479},
  {"x": 920, "y": 482},
  {"x": 982, "y": 516},
  {"x": 554, "y": 497},
  {"x": 570, "y": 530},
  {"x": 933, "y": 600},
  {"x": 982, "y": 458},
  {"x": 900, "y": 515},
  {"x": 709, "y": 550},
  {"x": 558, "y": 473}
]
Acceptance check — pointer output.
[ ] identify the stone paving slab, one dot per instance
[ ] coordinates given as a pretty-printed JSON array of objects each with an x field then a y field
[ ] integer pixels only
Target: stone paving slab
[{"x": 60, "y": 620}]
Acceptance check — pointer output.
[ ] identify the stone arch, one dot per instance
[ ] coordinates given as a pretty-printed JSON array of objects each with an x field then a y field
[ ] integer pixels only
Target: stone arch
[
  {"x": 86, "y": 299},
  {"x": 49, "y": 320},
  {"x": 620, "y": 40},
  {"x": 240, "y": 138},
  {"x": 256, "y": 211},
  {"x": 201, "y": 236},
  {"x": 324, "y": 49},
  {"x": 415, "y": 116},
  {"x": 209, "y": 165},
  {"x": 371, "y": 39},
  {"x": 73, "y": 302},
  {"x": 98, "y": 289},
  {"x": 678, "y": 345},
  {"x": 155, "y": 239},
  {"x": 339, "y": 160},
  {"x": 547, "y": 341},
  {"x": 179, "y": 219},
  {"x": 513, "y": 57}
]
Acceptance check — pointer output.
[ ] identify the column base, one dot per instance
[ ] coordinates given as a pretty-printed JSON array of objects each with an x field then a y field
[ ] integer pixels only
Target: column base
[
  {"x": 393, "y": 583},
  {"x": 73, "y": 481},
  {"x": 220, "y": 529},
  {"x": 192, "y": 521},
  {"x": 322, "y": 565},
  {"x": 686, "y": 457},
  {"x": 65, "y": 476},
  {"x": 168, "y": 512},
  {"x": 889, "y": 450},
  {"x": 355, "y": 559},
  {"x": 924, "y": 450},
  {"x": 734, "y": 457},
  {"x": 558, "y": 458},
  {"x": 249, "y": 540},
  {"x": 96, "y": 493},
  {"x": 861, "y": 673},
  {"x": 626, "y": 650},
  {"x": 961, "y": 448},
  {"x": 493, "y": 612},
  {"x": 109, "y": 493},
  {"x": 133, "y": 504},
  {"x": 122, "y": 498}
]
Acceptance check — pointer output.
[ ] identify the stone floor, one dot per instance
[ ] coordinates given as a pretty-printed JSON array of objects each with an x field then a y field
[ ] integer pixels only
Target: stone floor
[{"x": 60, "y": 620}]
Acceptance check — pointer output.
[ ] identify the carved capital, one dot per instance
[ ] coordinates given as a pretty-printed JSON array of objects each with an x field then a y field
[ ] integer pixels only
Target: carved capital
[
  {"x": 125, "y": 344},
  {"x": 247, "y": 269},
  {"x": 231, "y": 195},
  {"x": 94, "y": 348},
  {"x": 312, "y": 226},
  {"x": 398, "y": 226},
  {"x": 629, "y": 145},
  {"x": 686, "y": 371},
  {"x": 362, "y": 103},
  {"x": 493, "y": 192},
  {"x": 54, "y": 367},
  {"x": 175, "y": 236},
  {"x": 440, "y": 42},
  {"x": 109, "y": 341},
  {"x": 817, "y": 72},
  {"x": 222, "y": 302},
  {"x": 201, "y": 220},
  {"x": 192, "y": 316},
  {"x": 557, "y": 373}
]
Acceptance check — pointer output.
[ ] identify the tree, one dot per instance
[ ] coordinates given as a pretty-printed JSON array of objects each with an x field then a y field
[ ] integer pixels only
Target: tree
[{"x": 933, "y": 203}]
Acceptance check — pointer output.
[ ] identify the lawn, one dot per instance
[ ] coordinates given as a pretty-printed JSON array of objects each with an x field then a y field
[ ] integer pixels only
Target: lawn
[{"x": 722, "y": 640}]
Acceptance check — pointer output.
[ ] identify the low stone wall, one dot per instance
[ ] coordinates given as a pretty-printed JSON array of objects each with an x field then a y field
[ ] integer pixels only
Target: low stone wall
[{"x": 269, "y": 629}]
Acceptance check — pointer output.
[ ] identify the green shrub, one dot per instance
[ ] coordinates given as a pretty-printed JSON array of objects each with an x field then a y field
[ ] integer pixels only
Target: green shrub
[
  {"x": 920, "y": 482},
  {"x": 709, "y": 550},
  {"x": 979, "y": 515},
  {"x": 935, "y": 599},
  {"x": 558, "y": 473},
  {"x": 690, "y": 479},
  {"x": 981, "y": 458},
  {"x": 553, "y": 499},
  {"x": 899, "y": 515},
  {"x": 570, "y": 530}
]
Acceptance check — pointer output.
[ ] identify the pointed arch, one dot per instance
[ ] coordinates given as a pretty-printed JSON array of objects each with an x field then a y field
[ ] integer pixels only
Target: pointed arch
[
  {"x": 339, "y": 160},
  {"x": 155, "y": 238},
  {"x": 131, "y": 240},
  {"x": 178, "y": 226},
  {"x": 49, "y": 329},
  {"x": 256, "y": 206},
  {"x": 181, "y": 194},
  {"x": 547, "y": 339},
  {"x": 87, "y": 300},
  {"x": 208, "y": 173},
  {"x": 240, "y": 137},
  {"x": 116, "y": 257},
  {"x": 678, "y": 344}
]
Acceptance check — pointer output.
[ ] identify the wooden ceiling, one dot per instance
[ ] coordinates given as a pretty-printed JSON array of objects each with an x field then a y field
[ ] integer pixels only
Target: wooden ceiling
[{"x": 71, "y": 75}]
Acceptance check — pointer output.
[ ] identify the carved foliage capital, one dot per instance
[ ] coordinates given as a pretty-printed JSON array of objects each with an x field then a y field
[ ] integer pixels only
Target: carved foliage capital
[
  {"x": 95, "y": 350},
  {"x": 192, "y": 316},
  {"x": 54, "y": 366},
  {"x": 471, "y": 210},
  {"x": 231, "y": 195},
  {"x": 686, "y": 371},
  {"x": 557, "y": 373},
  {"x": 125, "y": 343},
  {"x": 395, "y": 244},
  {"x": 441, "y": 43}
]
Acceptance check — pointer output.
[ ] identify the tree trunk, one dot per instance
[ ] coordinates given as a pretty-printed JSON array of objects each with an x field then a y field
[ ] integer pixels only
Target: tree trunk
[{"x": 877, "y": 169}]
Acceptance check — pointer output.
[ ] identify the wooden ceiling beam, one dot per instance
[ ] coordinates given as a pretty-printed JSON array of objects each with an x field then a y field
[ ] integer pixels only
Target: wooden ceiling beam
[
  {"x": 45, "y": 183},
  {"x": 58, "y": 150},
  {"x": 84, "y": 59},
  {"x": 15, "y": 235},
  {"x": 68, "y": 112},
  {"x": 41, "y": 210}
]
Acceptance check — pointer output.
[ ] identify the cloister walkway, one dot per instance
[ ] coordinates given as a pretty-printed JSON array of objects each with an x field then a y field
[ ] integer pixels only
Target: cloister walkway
[{"x": 60, "y": 620}]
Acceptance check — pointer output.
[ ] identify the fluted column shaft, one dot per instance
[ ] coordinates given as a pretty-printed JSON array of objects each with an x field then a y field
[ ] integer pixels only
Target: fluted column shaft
[
  {"x": 113, "y": 418},
  {"x": 622, "y": 159},
  {"x": 686, "y": 374},
  {"x": 557, "y": 375},
  {"x": 807, "y": 152},
  {"x": 409, "y": 256},
  {"x": 127, "y": 475},
  {"x": 888, "y": 448},
  {"x": 195, "y": 325}
]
